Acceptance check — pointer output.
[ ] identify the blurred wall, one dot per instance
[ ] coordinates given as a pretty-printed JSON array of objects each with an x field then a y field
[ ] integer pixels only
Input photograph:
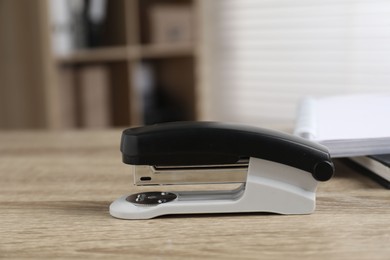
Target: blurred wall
[{"x": 261, "y": 57}]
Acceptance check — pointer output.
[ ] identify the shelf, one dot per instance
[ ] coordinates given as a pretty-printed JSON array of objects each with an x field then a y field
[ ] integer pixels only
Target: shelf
[
  {"x": 104, "y": 54},
  {"x": 114, "y": 54},
  {"x": 104, "y": 86},
  {"x": 163, "y": 51}
]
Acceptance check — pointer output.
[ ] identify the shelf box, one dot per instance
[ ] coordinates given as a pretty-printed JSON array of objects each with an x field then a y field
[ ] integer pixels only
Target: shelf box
[
  {"x": 171, "y": 24},
  {"x": 94, "y": 95}
]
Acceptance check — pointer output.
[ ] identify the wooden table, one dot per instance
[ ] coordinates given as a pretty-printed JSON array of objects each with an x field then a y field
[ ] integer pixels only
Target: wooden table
[{"x": 55, "y": 189}]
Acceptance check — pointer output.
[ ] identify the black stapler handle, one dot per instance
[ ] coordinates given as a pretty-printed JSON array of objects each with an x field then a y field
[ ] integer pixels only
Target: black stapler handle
[{"x": 212, "y": 143}]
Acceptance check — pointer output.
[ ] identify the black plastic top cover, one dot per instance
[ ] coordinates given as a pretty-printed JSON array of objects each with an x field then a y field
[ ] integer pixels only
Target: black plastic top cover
[{"x": 212, "y": 143}]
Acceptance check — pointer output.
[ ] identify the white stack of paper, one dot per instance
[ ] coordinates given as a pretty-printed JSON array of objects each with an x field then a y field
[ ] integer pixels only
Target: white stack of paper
[{"x": 350, "y": 125}]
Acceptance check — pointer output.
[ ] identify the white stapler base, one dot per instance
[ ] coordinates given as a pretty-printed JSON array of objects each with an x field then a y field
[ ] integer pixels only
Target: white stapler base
[{"x": 270, "y": 187}]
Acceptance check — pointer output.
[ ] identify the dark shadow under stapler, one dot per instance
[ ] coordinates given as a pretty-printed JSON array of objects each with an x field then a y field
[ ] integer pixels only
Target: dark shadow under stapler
[{"x": 273, "y": 172}]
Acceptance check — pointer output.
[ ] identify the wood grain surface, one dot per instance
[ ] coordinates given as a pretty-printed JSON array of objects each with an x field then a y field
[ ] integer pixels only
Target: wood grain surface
[{"x": 56, "y": 187}]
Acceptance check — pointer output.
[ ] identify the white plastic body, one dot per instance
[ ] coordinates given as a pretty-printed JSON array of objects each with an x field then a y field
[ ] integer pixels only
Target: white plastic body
[{"x": 270, "y": 187}]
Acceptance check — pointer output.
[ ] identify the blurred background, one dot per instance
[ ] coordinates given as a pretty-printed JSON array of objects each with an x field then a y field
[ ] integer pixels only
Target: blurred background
[{"x": 75, "y": 64}]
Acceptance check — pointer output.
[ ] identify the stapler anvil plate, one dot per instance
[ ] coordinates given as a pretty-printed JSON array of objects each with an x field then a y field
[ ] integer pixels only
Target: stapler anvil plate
[{"x": 274, "y": 172}]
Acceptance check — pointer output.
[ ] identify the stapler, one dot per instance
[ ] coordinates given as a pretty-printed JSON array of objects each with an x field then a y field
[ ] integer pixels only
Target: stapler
[{"x": 273, "y": 172}]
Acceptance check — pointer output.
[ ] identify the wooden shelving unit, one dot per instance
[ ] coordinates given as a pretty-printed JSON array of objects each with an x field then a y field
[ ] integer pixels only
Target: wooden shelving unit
[{"x": 130, "y": 48}]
